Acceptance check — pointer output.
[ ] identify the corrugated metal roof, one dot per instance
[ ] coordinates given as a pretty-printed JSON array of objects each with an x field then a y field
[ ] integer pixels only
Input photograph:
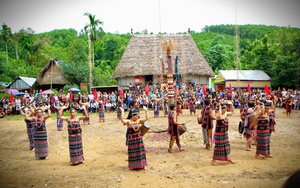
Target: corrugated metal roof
[
  {"x": 29, "y": 81},
  {"x": 244, "y": 75},
  {"x": 22, "y": 83}
]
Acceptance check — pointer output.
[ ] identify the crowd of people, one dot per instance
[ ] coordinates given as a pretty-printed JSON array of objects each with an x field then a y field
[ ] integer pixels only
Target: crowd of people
[{"x": 257, "y": 113}]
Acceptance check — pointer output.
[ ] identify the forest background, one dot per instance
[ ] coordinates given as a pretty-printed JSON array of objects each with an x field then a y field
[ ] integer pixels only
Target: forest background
[{"x": 273, "y": 49}]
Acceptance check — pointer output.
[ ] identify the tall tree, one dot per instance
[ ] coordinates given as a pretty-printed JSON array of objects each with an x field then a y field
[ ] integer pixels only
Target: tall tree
[
  {"x": 75, "y": 68},
  {"x": 6, "y": 35},
  {"x": 15, "y": 38},
  {"x": 91, "y": 29}
]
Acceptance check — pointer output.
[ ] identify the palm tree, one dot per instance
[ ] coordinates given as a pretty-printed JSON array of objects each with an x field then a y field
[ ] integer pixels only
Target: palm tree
[
  {"x": 91, "y": 29},
  {"x": 6, "y": 35}
]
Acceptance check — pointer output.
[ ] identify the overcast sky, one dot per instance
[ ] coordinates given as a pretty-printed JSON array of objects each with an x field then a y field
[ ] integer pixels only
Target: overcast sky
[{"x": 171, "y": 16}]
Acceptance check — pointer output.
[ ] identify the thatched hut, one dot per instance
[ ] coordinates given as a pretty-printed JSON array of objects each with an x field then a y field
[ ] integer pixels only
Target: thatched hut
[
  {"x": 51, "y": 76},
  {"x": 141, "y": 60}
]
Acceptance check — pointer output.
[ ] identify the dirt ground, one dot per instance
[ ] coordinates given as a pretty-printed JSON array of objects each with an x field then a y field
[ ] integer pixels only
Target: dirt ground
[{"x": 106, "y": 156}]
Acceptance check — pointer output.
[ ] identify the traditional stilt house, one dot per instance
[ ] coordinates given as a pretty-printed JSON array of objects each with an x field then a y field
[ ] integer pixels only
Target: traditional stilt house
[
  {"x": 51, "y": 76},
  {"x": 142, "y": 60}
]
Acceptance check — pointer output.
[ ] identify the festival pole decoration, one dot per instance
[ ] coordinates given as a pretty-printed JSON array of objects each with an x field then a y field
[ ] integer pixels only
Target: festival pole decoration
[
  {"x": 176, "y": 73},
  {"x": 168, "y": 46},
  {"x": 161, "y": 79}
]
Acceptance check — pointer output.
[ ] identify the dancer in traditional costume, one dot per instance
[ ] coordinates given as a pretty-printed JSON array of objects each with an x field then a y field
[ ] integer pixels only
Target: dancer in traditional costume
[
  {"x": 101, "y": 110},
  {"x": 289, "y": 100},
  {"x": 84, "y": 100},
  {"x": 246, "y": 119},
  {"x": 59, "y": 122},
  {"x": 263, "y": 134},
  {"x": 270, "y": 111},
  {"x": 75, "y": 135},
  {"x": 40, "y": 132},
  {"x": 156, "y": 107},
  {"x": 173, "y": 128},
  {"x": 119, "y": 105},
  {"x": 136, "y": 150},
  {"x": 222, "y": 145},
  {"x": 207, "y": 123},
  {"x": 179, "y": 105},
  {"x": 30, "y": 126},
  {"x": 192, "y": 105}
]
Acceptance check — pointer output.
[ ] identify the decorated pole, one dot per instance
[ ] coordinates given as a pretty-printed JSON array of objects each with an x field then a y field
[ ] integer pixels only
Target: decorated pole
[
  {"x": 161, "y": 79},
  {"x": 168, "y": 46}
]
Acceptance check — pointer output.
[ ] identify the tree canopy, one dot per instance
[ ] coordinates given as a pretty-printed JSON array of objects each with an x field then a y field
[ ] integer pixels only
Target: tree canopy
[{"x": 276, "y": 50}]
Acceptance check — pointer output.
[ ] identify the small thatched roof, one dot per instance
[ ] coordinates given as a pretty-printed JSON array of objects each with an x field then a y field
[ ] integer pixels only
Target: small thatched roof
[
  {"x": 143, "y": 52},
  {"x": 51, "y": 69}
]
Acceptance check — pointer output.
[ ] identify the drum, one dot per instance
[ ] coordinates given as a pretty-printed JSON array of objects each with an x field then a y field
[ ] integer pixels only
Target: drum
[
  {"x": 144, "y": 128},
  {"x": 199, "y": 119},
  {"x": 241, "y": 127},
  {"x": 181, "y": 129}
]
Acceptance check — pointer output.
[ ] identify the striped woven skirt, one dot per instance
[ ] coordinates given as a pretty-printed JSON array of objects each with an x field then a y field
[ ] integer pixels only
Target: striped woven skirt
[
  {"x": 30, "y": 132},
  {"x": 136, "y": 150},
  {"x": 101, "y": 114},
  {"x": 75, "y": 143},
  {"x": 41, "y": 143},
  {"x": 222, "y": 145},
  {"x": 119, "y": 112},
  {"x": 263, "y": 137},
  {"x": 60, "y": 124},
  {"x": 192, "y": 108}
]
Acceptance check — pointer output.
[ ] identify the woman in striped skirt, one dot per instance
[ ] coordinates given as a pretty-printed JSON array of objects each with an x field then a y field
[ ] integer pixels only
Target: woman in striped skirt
[
  {"x": 222, "y": 145},
  {"x": 30, "y": 127},
  {"x": 263, "y": 134},
  {"x": 192, "y": 105},
  {"x": 40, "y": 132},
  {"x": 75, "y": 135},
  {"x": 84, "y": 100},
  {"x": 270, "y": 111},
  {"x": 59, "y": 122},
  {"x": 119, "y": 105},
  {"x": 136, "y": 150},
  {"x": 101, "y": 110},
  {"x": 156, "y": 107}
]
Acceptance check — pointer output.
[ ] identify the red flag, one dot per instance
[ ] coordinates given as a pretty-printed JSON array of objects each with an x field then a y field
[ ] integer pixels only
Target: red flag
[
  {"x": 71, "y": 95},
  {"x": 11, "y": 98},
  {"x": 95, "y": 94},
  {"x": 204, "y": 89},
  {"x": 121, "y": 92},
  {"x": 147, "y": 90},
  {"x": 249, "y": 88},
  {"x": 267, "y": 90}
]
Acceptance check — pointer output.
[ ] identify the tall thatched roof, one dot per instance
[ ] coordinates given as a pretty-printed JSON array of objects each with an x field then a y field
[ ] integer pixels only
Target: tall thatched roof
[
  {"x": 143, "y": 52},
  {"x": 51, "y": 69}
]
